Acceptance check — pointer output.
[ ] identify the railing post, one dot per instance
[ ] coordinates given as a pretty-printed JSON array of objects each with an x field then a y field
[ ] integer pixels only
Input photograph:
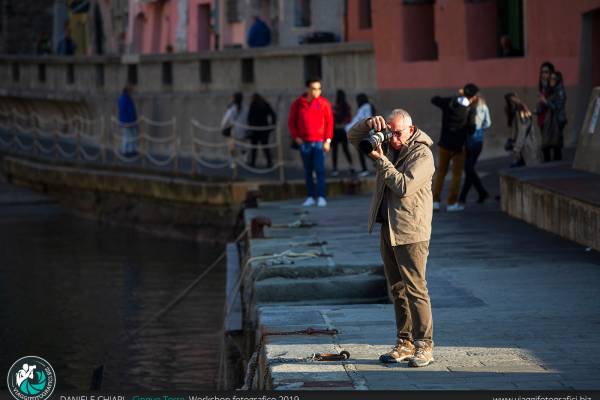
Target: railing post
[
  {"x": 175, "y": 148},
  {"x": 78, "y": 141},
  {"x": 280, "y": 154},
  {"x": 35, "y": 134},
  {"x": 142, "y": 144},
  {"x": 232, "y": 154},
  {"x": 55, "y": 137},
  {"x": 193, "y": 151},
  {"x": 102, "y": 134}
]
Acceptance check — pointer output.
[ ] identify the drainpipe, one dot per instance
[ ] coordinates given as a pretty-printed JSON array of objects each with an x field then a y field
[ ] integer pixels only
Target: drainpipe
[
  {"x": 181, "y": 30},
  {"x": 58, "y": 22}
]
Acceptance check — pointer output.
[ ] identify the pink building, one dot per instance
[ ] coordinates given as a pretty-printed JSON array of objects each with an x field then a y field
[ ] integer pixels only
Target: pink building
[
  {"x": 160, "y": 26},
  {"x": 435, "y": 44}
]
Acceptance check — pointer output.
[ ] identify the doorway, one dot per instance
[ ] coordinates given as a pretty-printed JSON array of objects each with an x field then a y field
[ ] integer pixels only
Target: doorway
[
  {"x": 203, "y": 24},
  {"x": 589, "y": 64}
]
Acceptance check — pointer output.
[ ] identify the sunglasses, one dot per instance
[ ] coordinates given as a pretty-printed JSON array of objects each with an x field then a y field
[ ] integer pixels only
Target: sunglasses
[{"x": 399, "y": 133}]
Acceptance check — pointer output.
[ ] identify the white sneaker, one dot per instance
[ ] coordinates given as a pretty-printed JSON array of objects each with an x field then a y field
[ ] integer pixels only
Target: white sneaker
[
  {"x": 321, "y": 202},
  {"x": 309, "y": 202},
  {"x": 436, "y": 206},
  {"x": 364, "y": 173},
  {"x": 455, "y": 207}
]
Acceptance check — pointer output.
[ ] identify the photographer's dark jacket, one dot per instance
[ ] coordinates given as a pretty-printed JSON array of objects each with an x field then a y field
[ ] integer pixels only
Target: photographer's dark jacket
[
  {"x": 458, "y": 122},
  {"x": 406, "y": 184}
]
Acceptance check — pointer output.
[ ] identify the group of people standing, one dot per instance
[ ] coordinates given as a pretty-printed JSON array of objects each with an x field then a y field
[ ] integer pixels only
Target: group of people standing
[
  {"x": 534, "y": 137},
  {"x": 464, "y": 120},
  {"x": 344, "y": 121},
  {"x": 317, "y": 128},
  {"x": 538, "y": 136},
  {"x": 238, "y": 122}
]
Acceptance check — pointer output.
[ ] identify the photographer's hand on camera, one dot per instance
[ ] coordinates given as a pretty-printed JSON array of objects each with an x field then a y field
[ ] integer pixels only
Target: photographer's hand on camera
[
  {"x": 378, "y": 123},
  {"x": 377, "y": 153}
]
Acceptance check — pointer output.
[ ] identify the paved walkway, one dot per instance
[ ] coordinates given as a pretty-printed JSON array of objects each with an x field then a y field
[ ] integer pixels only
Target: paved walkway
[{"x": 514, "y": 308}]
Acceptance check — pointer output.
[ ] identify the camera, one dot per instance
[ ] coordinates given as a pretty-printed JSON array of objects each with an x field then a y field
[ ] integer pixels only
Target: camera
[{"x": 375, "y": 139}]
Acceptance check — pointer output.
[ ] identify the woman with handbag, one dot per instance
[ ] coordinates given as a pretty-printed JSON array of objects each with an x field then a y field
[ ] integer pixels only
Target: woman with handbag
[{"x": 525, "y": 140}]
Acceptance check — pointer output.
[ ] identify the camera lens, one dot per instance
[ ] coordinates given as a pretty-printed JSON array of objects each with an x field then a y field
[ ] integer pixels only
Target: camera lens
[{"x": 367, "y": 145}]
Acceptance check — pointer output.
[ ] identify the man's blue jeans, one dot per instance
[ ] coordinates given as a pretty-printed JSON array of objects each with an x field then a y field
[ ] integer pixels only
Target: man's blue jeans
[{"x": 313, "y": 158}]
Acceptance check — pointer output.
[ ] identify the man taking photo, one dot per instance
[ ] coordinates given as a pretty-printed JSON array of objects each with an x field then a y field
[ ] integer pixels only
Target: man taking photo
[{"x": 402, "y": 203}]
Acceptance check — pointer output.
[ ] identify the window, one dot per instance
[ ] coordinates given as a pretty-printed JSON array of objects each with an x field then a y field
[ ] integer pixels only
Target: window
[
  {"x": 312, "y": 67},
  {"x": 495, "y": 30},
  {"x": 42, "y": 73},
  {"x": 302, "y": 13},
  {"x": 132, "y": 76},
  {"x": 100, "y": 75},
  {"x": 16, "y": 72},
  {"x": 231, "y": 11},
  {"x": 419, "y": 30},
  {"x": 510, "y": 18},
  {"x": 70, "y": 74},
  {"x": 167, "y": 73},
  {"x": 364, "y": 14},
  {"x": 205, "y": 71},
  {"x": 247, "y": 70}
]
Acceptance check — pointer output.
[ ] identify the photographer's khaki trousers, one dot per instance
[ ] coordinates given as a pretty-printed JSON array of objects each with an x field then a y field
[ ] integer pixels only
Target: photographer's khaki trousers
[{"x": 404, "y": 268}]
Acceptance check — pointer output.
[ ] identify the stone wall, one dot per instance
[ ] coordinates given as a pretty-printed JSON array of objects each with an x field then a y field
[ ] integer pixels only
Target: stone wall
[
  {"x": 588, "y": 146},
  {"x": 279, "y": 76}
]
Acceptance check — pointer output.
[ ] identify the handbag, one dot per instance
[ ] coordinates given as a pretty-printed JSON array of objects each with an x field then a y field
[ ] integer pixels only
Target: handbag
[{"x": 226, "y": 131}]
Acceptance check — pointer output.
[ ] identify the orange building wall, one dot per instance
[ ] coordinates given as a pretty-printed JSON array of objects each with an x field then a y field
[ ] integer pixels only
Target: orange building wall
[
  {"x": 552, "y": 30},
  {"x": 353, "y": 31}
]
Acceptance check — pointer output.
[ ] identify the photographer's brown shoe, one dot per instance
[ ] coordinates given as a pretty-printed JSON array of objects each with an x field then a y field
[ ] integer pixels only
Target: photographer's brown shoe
[
  {"x": 423, "y": 355},
  {"x": 403, "y": 350}
]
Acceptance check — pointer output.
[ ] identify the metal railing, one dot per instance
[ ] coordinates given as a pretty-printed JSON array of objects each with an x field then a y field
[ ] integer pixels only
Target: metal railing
[{"x": 157, "y": 143}]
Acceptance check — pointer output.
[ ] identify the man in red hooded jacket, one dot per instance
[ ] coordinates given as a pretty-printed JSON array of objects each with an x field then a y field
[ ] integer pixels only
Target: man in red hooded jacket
[{"x": 311, "y": 126}]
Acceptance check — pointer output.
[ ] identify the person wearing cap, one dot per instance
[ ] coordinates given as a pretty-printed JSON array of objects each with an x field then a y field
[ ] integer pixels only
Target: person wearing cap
[{"x": 458, "y": 121}]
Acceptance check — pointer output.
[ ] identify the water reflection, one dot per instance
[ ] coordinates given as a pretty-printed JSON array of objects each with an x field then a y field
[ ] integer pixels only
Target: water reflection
[{"x": 69, "y": 287}]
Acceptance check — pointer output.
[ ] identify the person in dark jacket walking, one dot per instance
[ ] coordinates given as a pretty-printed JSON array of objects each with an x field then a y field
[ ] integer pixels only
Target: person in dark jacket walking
[
  {"x": 260, "y": 114},
  {"x": 458, "y": 121},
  {"x": 311, "y": 127},
  {"x": 128, "y": 121},
  {"x": 342, "y": 114},
  {"x": 555, "y": 118}
]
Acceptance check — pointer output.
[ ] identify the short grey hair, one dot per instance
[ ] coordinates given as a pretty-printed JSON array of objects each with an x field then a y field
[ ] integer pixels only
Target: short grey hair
[{"x": 399, "y": 112}]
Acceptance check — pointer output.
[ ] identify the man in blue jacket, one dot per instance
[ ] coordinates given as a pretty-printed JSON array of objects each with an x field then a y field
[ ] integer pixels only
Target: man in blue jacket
[
  {"x": 259, "y": 34},
  {"x": 128, "y": 122}
]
